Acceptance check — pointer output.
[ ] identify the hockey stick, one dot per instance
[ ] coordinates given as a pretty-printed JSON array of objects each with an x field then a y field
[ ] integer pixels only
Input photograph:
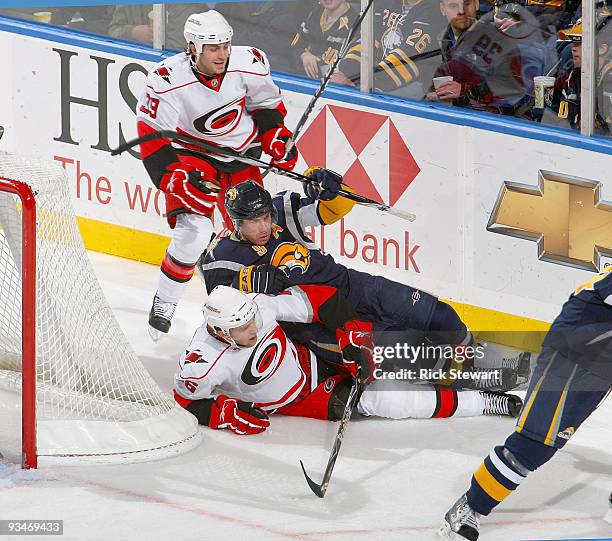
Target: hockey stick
[
  {"x": 353, "y": 398},
  {"x": 1, "y": 131},
  {"x": 214, "y": 149},
  {"x": 325, "y": 81}
]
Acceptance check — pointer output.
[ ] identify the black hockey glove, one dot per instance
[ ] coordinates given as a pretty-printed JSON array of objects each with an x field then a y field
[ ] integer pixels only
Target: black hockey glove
[
  {"x": 261, "y": 279},
  {"x": 325, "y": 186}
]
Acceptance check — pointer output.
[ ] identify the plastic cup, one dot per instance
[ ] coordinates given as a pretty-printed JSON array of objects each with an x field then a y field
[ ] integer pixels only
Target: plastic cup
[
  {"x": 543, "y": 89},
  {"x": 439, "y": 81},
  {"x": 42, "y": 16}
]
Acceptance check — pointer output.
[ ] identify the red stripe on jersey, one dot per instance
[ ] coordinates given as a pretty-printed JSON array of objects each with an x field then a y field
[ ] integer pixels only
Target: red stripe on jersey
[
  {"x": 446, "y": 402},
  {"x": 175, "y": 270},
  {"x": 317, "y": 296},
  {"x": 280, "y": 108},
  {"x": 282, "y": 401},
  {"x": 249, "y": 72},
  {"x": 183, "y": 402},
  {"x": 211, "y": 366},
  {"x": 150, "y": 147},
  {"x": 173, "y": 88}
]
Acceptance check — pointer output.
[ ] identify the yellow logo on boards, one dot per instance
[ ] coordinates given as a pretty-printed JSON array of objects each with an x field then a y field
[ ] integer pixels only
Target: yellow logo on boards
[{"x": 566, "y": 216}]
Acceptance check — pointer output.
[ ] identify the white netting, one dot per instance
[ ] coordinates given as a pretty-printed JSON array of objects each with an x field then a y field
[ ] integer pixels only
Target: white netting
[{"x": 86, "y": 370}]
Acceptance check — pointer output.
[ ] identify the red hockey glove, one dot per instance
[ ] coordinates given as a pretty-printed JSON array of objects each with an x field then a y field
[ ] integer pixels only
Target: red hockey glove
[
  {"x": 190, "y": 188},
  {"x": 355, "y": 341},
  {"x": 274, "y": 143},
  {"x": 240, "y": 417}
]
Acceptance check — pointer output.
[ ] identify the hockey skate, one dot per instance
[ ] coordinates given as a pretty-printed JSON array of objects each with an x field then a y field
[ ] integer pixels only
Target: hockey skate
[
  {"x": 490, "y": 379},
  {"x": 608, "y": 517},
  {"x": 160, "y": 318},
  {"x": 461, "y": 522},
  {"x": 501, "y": 404},
  {"x": 498, "y": 356}
]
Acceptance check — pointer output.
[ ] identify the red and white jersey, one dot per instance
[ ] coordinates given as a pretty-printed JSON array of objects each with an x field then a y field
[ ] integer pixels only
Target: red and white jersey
[
  {"x": 218, "y": 109},
  {"x": 271, "y": 374}
]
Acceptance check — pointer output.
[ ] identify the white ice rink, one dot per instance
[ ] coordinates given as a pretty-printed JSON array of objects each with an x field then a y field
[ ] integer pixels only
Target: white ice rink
[{"x": 394, "y": 480}]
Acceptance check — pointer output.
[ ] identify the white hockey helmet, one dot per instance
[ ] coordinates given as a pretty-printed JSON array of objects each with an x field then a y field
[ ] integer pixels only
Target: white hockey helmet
[
  {"x": 208, "y": 28},
  {"x": 227, "y": 308}
]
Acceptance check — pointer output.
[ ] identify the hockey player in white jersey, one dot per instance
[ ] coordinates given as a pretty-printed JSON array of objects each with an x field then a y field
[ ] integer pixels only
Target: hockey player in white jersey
[
  {"x": 221, "y": 94},
  {"x": 240, "y": 366}
]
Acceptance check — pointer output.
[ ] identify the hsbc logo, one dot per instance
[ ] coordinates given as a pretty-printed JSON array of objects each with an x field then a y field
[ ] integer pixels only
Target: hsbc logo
[{"x": 366, "y": 146}]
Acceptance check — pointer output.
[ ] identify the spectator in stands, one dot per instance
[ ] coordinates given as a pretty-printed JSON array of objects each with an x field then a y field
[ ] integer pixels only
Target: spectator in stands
[
  {"x": 320, "y": 36},
  {"x": 495, "y": 62},
  {"x": 95, "y": 19},
  {"x": 269, "y": 26},
  {"x": 567, "y": 88},
  {"x": 406, "y": 39},
  {"x": 461, "y": 15},
  {"x": 135, "y": 23}
]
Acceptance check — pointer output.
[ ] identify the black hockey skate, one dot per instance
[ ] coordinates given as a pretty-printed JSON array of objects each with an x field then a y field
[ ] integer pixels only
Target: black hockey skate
[{"x": 160, "y": 318}]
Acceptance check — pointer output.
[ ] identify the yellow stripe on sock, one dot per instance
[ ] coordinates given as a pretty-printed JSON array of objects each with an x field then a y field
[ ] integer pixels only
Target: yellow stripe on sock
[{"x": 490, "y": 485}]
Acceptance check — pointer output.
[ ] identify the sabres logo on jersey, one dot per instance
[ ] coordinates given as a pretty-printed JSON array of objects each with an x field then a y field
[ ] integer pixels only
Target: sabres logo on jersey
[
  {"x": 291, "y": 255},
  {"x": 164, "y": 72},
  {"x": 232, "y": 194}
]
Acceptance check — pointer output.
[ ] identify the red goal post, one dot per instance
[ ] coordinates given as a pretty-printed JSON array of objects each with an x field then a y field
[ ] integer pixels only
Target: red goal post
[{"x": 85, "y": 394}]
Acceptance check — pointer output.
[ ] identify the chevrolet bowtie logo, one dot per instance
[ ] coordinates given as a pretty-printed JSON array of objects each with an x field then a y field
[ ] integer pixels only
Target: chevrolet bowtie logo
[{"x": 565, "y": 215}]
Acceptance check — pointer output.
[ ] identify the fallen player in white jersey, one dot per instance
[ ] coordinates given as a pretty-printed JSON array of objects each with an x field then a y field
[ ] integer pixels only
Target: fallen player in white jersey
[{"x": 240, "y": 366}]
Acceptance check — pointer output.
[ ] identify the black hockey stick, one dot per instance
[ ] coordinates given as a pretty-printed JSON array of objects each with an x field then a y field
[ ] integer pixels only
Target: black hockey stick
[
  {"x": 353, "y": 398},
  {"x": 223, "y": 151},
  {"x": 343, "y": 50}
]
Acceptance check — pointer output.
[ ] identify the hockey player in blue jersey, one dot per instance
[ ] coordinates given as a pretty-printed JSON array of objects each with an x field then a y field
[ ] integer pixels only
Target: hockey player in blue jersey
[
  {"x": 269, "y": 251},
  {"x": 572, "y": 377}
]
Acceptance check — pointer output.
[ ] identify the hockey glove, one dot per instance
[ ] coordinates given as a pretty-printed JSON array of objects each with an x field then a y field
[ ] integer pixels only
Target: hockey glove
[
  {"x": 191, "y": 189},
  {"x": 261, "y": 279},
  {"x": 274, "y": 143},
  {"x": 240, "y": 417},
  {"x": 355, "y": 341},
  {"x": 325, "y": 186}
]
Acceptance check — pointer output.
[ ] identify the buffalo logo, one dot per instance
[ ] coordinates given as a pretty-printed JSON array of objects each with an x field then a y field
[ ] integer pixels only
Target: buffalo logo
[
  {"x": 266, "y": 357},
  {"x": 222, "y": 120},
  {"x": 329, "y": 385},
  {"x": 258, "y": 56},
  {"x": 291, "y": 255},
  {"x": 232, "y": 194},
  {"x": 164, "y": 73}
]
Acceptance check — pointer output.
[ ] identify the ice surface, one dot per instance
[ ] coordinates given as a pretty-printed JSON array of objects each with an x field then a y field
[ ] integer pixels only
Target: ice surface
[{"x": 394, "y": 480}]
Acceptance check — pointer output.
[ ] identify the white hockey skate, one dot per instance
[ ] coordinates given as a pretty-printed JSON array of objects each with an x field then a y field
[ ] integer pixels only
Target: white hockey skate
[
  {"x": 160, "y": 318},
  {"x": 501, "y": 404},
  {"x": 461, "y": 522}
]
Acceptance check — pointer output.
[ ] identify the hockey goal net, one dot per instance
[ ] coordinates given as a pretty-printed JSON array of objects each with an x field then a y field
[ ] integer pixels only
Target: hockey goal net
[{"x": 93, "y": 396}]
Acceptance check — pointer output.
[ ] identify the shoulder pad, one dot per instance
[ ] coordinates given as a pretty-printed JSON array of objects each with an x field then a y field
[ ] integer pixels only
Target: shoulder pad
[
  {"x": 249, "y": 60},
  {"x": 171, "y": 72}
]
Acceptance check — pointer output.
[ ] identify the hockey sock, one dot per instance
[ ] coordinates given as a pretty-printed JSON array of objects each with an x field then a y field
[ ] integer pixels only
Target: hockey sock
[
  {"x": 504, "y": 470},
  {"x": 173, "y": 278}
]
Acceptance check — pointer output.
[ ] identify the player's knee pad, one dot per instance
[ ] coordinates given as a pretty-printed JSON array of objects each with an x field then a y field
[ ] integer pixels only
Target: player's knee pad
[
  {"x": 190, "y": 237},
  {"x": 530, "y": 454},
  {"x": 445, "y": 319}
]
